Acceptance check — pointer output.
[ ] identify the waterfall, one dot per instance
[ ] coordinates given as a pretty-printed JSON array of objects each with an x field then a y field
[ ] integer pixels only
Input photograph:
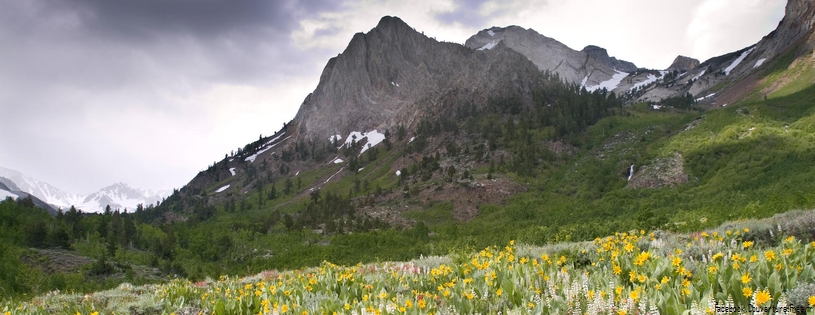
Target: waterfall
[{"x": 631, "y": 172}]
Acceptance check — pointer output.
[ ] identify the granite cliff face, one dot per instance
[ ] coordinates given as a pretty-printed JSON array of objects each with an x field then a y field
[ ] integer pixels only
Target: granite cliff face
[
  {"x": 394, "y": 75},
  {"x": 548, "y": 54}
]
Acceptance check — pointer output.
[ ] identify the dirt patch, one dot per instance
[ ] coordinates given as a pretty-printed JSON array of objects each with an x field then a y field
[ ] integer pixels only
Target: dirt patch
[
  {"x": 661, "y": 172},
  {"x": 739, "y": 90}
]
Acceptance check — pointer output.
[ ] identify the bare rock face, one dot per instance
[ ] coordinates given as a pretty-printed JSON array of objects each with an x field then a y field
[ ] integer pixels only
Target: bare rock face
[
  {"x": 551, "y": 55},
  {"x": 394, "y": 75},
  {"x": 682, "y": 63},
  {"x": 601, "y": 55},
  {"x": 662, "y": 172}
]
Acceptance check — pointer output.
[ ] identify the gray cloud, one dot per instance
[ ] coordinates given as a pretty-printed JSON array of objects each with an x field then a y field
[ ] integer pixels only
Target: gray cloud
[
  {"x": 78, "y": 70},
  {"x": 467, "y": 14}
]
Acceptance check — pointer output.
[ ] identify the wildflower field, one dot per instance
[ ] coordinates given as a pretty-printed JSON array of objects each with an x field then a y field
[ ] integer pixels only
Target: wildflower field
[{"x": 734, "y": 267}]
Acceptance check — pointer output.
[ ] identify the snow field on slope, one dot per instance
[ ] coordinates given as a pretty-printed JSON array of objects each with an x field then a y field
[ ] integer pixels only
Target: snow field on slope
[
  {"x": 609, "y": 84},
  {"x": 737, "y": 61},
  {"x": 489, "y": 45}
]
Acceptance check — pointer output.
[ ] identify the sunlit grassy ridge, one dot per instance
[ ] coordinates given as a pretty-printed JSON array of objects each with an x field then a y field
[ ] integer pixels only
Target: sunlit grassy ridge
[{"x": 767, "y": 263}]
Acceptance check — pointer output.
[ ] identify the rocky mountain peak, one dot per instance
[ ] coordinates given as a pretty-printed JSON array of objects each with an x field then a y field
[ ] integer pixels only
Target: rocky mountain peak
[
  {"x": 394, "y": 75},
  {"x": 683, "y": 63},
  {"x": 601, "y": 54}
]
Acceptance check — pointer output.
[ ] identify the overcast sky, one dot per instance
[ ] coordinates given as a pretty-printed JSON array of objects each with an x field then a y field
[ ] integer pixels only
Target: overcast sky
[{"x": 150, "y": 92}]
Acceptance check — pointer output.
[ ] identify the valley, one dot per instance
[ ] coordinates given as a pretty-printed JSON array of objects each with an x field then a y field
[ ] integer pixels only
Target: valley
[{"x": 428, "y": 177}]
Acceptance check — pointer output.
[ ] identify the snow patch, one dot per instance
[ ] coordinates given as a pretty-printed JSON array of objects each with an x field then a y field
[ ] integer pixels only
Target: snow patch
[
  {"x": 737, "y": 61},
  {"x": 335, "y": 138},
  {"x": 585, "y": 79},
  {"x": 704, "y": 97},
  {"x": 232, "y": 170},
  {"x": 274, "y": 139},
  {"x": 222, "y": 189},
  {"x": 650, "y": 79},
  {"x": 491, "y": 33},
  {"x": 252, "y": 157},
  {"x": 655, "y": 106},
  {"x": 699, "y": 75},
  {"x": 411, "y": 139},
  {"x": 489, "y": 45},
  {"x": 395, "y": 84},
  {"x": 398, "y": 173},
  {"x": 338, "y": 161},
  {"x": 332, "y": 176},
  {"x": 609, "y": 84},
  {"x": 759, "y": 63},
  {"x": 374, "y": 138},
  {"x": 298, "y": 173}
]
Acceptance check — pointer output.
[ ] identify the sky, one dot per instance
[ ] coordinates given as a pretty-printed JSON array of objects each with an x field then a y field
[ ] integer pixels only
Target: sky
[{"x": 150, "y": 92}]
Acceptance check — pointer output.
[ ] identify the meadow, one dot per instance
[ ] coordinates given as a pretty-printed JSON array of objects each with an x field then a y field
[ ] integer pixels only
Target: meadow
[{"x": 745, "y": 265}]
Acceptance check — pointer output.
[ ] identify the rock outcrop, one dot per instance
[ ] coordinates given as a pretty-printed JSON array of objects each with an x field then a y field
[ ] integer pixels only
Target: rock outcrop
[
  {"x": 682, "y": 64},
  {"x": 601, "y": 55},
  {"x": 662, "y": 172}
]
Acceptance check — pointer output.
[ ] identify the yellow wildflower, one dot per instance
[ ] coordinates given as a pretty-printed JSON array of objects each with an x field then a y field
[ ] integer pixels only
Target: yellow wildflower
[
  {"x": 763, "y": 297},
  {"x": 745, "y": 278},
  {"x": 811, "y": 301},
  {"x": 642, "y": 278},
  {"x": 770, "y": 255},
  {"x": 635, "y": 295}
]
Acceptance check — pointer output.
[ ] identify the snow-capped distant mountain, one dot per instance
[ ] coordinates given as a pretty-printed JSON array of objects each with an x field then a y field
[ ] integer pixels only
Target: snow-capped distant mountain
[
  {"x": 47, "y": 193},
  {"x": 119, "y": 196},
  {"x": 122, "y": 196}
]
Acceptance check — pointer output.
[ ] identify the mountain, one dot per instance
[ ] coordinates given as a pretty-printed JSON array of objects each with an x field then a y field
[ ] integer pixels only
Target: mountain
[
  {"x": 118, "y": 196},
  {"x": 122, "y": 196},
  {"x": 591, "y": 67},
  {"x": 393, "y": 75}
]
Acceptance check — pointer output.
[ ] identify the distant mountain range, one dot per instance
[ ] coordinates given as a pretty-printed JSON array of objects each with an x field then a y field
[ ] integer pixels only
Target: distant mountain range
[{"x": 118, "y": 196}]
